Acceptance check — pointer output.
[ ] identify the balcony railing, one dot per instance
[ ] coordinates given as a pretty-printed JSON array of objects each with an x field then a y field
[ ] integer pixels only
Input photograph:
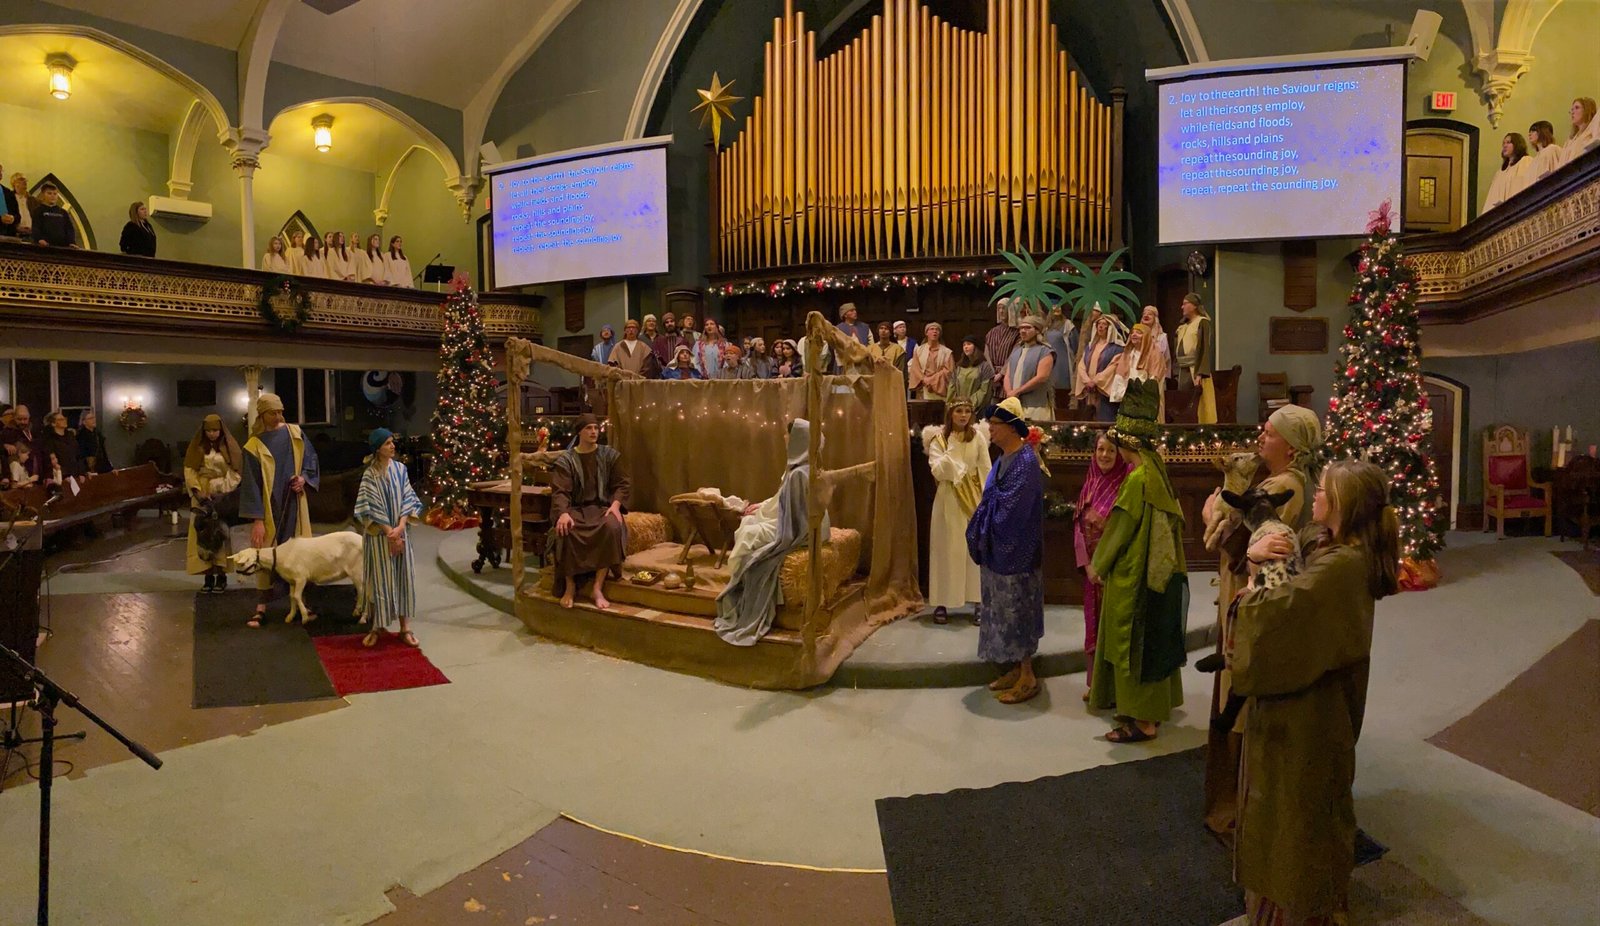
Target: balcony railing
[
  {"x": 89, "y": 290},
  {"x": 1543, "y": 241}
]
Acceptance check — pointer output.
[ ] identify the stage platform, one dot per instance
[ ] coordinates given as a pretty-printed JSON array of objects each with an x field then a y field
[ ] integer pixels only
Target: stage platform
[{"x": 909, "y": 653}]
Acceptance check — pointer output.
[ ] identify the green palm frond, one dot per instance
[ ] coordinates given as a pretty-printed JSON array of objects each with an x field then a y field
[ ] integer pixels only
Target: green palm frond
[
  {"x": 1103, "y": 288},
  {"x": 1034, "y": 284}
]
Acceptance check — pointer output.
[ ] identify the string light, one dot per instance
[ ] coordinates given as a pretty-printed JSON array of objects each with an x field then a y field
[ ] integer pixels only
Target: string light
[
  {"x": 467, "y": 433},
  {"x": 883, "y": 281}
]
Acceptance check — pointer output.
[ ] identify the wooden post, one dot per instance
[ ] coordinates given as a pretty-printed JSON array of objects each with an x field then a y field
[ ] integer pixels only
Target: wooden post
[{"x": 514, "y": 440}]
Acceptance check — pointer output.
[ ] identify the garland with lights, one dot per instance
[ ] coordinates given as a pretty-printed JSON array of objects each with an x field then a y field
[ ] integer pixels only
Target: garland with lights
[
  {"x": 792, "y": 286},
  {"x": 1379, "y": 410},
  {"x": 284, "y": 303},
  {"x": 1081, "y": 438},
  {"x": 464, "y": 426}
]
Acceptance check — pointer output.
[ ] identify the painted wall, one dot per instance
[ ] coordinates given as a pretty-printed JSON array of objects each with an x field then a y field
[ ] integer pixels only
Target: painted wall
[
  {"x": 1536, "y": 391},
  {"x": 1248, "y": 283},
  {"x": 427, "y": 216},
  {"x": 215, "y": 241},
  {"x": 333, "y": 198},
  {"x": 288, "y": 86}
]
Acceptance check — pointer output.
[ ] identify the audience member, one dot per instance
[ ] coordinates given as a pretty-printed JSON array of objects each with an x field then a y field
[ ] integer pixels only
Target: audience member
[
  {"x": 138, "y": 235},
  {"x": 92, "y": 443},
  {"x": 26, "y": 205},
  {"x": 19, "y": 433},
  {"x": 10, "y": 212},
  {"x": 276, "y": 260},
  {"x": 52, "y": 224},
  {"x": 23, "y": 468},
  {"x": 60, "y": 445}
]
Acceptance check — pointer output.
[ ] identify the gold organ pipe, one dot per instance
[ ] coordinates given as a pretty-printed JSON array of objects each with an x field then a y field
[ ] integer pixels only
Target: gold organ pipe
[
  {"x": 1105, "y": 178},
  {"x": 916, "y": 166},
  {"x": 1019, "y": 120},
  {"x": 1030, "y": 126},
  {"x": 902, "y": 124}
]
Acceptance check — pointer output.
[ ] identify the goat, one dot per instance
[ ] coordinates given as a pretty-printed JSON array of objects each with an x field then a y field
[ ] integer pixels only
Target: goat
[
  {"x": 1237, "y": 469},
  {"x": 300, "y": 560}
]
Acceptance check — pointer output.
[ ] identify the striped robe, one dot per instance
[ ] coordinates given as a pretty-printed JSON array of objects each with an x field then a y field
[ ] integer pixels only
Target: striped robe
[{"x": 385, "y": 497}]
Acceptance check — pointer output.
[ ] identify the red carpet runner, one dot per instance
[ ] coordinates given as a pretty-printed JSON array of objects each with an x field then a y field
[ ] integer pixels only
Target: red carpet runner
[{"x": 388, "y": 666}]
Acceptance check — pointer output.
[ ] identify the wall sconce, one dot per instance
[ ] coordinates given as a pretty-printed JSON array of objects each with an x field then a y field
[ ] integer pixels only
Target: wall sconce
[
  {"x": 322, "y": 131},
  {"x": 133, "y": 417},
  {"x": 60, "y": 67}
]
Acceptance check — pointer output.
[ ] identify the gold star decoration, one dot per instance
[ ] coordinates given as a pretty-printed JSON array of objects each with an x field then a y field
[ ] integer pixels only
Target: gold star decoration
[{"x": 717, "y": 104}]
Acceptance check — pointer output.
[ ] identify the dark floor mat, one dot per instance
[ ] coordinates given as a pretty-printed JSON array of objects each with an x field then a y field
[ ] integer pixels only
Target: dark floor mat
[
  {"x": 332, "y": 604},
  {"x": 1585, "y": 563},
  {"x": 238, "y": 665},
  {"x": 1118, "y": 844}
]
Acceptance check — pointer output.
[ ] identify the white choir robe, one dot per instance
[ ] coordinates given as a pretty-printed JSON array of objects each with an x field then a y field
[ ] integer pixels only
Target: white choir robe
[
  {"x": 1581, "y": 142},
  {"x": 275, "y": 263},
  {"x": 296, "y": 257},
  {"x": 1508, "y": 182},
  {"x": 384, "y": 498},
  {"x": 314, "y": 267},
  {"x": 341, "y": 268},
  {"x": 371, "y": 269},
  {"x": 397, "y": 270},
  {"x": 1545, "y": 161},
  {"x": 953, "y": 578}
]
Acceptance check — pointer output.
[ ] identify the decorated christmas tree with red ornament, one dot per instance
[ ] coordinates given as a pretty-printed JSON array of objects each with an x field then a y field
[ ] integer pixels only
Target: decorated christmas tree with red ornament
[
  {"x": 464, "y": 429},
  {"x": 1379, "y": 410}
]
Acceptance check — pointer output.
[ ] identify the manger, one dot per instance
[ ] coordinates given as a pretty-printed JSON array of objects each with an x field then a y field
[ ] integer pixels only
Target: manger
[{"x": 693, "y": 453}]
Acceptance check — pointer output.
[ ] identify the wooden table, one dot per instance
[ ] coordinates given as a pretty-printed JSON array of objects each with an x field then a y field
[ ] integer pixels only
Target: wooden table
[
  {"x": 1575, "y": 491},
  {"x": 493, "y": 501}
]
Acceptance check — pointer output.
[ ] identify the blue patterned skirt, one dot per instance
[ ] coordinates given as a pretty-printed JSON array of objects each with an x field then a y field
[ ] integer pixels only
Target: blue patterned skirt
[{"x": 1012, "y": 616}]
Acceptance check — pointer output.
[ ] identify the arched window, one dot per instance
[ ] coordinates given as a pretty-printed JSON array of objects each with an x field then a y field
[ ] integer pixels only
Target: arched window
[
  {"x": 80, "y": 221},
  {"x": 297, "y": 223}
]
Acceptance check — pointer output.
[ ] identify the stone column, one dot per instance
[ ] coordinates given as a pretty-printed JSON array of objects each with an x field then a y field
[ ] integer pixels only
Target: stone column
[
  {"x": 252, "y": 388},
  {"x": 245, "y": 147}
]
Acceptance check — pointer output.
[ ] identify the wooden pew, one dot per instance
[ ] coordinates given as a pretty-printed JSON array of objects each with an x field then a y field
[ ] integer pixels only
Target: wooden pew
[{"x": 119, "y": 492}]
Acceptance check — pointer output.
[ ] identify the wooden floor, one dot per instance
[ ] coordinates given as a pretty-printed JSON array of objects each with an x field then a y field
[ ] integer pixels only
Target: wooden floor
[{"x": 130, "y": 659}]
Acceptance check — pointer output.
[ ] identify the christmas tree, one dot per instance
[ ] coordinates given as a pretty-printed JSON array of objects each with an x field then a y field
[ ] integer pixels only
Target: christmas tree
[
  {"x": 464, "y": 429},
  {"x": 1379, "y": 411}
]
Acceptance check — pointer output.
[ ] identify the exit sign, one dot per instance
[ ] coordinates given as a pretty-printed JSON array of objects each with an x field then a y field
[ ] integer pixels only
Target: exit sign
[{"x": 1444, "y": 101}]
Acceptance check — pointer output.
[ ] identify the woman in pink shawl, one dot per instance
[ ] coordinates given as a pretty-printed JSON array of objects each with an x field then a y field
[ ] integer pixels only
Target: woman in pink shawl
[{"x": 1107, "y": 469}]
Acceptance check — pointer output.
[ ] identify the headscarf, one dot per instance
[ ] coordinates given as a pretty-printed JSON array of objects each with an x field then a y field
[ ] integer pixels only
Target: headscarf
[
  {"x": 929, "y": 325},
  {"x": 1099, "y": 494},
  {"x": 1299, "y": 427},
  {"x": 377, "y": 438},
  {"x": 266, "y": 402},
  {"x": 195, "y": 456},
  {"x": 799, "y": 449}
]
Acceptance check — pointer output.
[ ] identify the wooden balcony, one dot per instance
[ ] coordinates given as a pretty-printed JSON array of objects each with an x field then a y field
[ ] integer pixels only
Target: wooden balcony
[
  {"x": 65, "y": 291},
  {"x": 1543, "y": 241}
]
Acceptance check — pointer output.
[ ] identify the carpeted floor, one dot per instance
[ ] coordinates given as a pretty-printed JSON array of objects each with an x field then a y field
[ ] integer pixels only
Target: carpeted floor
[
  {"x": 1585, "y": 563},
  {"x": 236, "y": 665},
  {"x": 1543, "y": 729}
]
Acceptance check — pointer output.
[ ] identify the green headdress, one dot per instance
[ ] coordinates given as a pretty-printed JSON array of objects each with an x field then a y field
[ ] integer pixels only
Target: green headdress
[
  {"x": 1136, "y": 428},
  {"x": 1136, "y": 417},
  {"x": 1103, "y": 288},
  {"x": 1036, "y": 286}
]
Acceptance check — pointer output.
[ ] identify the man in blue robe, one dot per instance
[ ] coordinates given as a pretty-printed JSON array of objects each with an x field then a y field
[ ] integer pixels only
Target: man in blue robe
[{"x": 279, "y": 465}]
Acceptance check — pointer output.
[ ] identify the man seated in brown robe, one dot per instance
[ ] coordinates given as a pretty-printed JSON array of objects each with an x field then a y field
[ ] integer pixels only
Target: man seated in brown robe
[{"x": 588, "y": 491}]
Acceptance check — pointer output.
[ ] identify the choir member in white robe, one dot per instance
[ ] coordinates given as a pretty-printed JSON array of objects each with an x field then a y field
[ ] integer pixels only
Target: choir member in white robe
[
  {"x": 369, "y": 263},
  {"x": 1546, "y": 157},
  {"x": 276, "y": 260},
  {"x": 314, "y": 262},
  {"x": 1585, "y": 129},
  {"x": 398, "y": 268},
  {"x": 1508, "y": 180},
  {"x": 341, "y": 261},
  {"x": 958, "y": 455},
  {"x": 385, "y": 505},
  {"x": 297, "y": 250}
]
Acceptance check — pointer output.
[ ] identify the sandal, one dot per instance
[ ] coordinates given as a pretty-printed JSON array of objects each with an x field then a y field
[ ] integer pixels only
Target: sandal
[
  {"x": 941, "y": 616},
  {"x": 1018, "y": 695},
  {"x": 409, "y": 638},
  {"x": 255, "y": 620},
  {"x": 371, "y": 639},
  {"x": 1128, "y": 733}
]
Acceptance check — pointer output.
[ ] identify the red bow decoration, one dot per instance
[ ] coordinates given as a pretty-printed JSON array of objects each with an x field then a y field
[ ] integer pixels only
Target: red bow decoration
[
  {"x": 1036, "y": 435},
  {"x": 459, "y": 281},
  {"x": 1378, "y": 220}
]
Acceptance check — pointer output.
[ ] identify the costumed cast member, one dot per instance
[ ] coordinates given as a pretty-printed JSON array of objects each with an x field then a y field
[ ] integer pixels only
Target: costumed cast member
[
  {"x": 634, "y": 354},
  {"x": 1097, "y": 367},
  {"x": 385, "y": 505},
  {"x": 682, "y": 366},
  {"x": 1144, "y": 603},
  {"x": 999, "y": 340},
  {"x": 1289, "y": 446},
  {"x": 958, "y": 455},
  {"x": 1062, "y": 336},
  {"x": 768, "y": 533},
  {"x": 211, "y": 470},
  {"x": 1006, "y": 539},
  {"x": 974, "y": 378},
  {"x": 1027, "y": 373},
  {"x": 1195, "y": 365},
  {"x": 931, "y": 366},
  {"x": 589, "y": 491},
  {"x": 1302, "y": 655},
  {"x": 1107, "y": 470},
  {"x": 1142, "y": 360},
  {"x": 889, "y": 350},
  {"x": 279, "y": 465}
]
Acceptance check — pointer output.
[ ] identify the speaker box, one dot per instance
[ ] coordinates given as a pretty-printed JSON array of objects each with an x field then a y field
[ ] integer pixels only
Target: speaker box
[{"x": 1424, "y": 30}]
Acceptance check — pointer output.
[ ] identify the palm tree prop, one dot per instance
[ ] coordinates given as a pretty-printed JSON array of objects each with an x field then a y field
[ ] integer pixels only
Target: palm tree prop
[
  {"x": 1037, "y": 285},
  {"x": 1103, "y": 288}
]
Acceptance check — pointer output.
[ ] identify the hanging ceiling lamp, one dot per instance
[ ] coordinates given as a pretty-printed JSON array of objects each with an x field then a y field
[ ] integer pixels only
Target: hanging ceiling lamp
[
  {"x": 60, "y": 67},
  {"x": 322, "y": 132}
]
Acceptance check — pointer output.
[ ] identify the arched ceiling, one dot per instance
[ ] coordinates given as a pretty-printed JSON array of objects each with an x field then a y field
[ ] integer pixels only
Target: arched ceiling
[
  {"x": 364, "y": 138},
  {"x": 437, "y": 50},
  {"x": 107, "y": 85}
]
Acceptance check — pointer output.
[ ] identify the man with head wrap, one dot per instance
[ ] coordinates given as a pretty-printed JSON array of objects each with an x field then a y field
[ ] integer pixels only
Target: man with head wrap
[
  {"x": 589, "y": 489},
  {"x": 1146, "y": 600},
  {"x": 279, "y": 465},
  {"x": 1289, "y": 447}
]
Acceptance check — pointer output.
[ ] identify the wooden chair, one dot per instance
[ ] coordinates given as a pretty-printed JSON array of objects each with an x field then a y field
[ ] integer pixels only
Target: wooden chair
[
  {"x": 1226, "y": 385},
  {"x": 1183, "y": 407},
  {"x": 1508, "y": 484},
  {"x": 1272, "y": 392}
]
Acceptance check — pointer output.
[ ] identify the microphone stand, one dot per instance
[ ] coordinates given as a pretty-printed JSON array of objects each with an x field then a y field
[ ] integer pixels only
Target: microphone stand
[
  {"x": 436, "y": 287},
  {"x": 47, "y": 696}
]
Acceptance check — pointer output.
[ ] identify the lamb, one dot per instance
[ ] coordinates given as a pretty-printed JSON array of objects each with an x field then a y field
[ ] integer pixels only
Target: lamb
[
  {"x": 1238, "y": 470},
  {"x": 300, "y": 560}
]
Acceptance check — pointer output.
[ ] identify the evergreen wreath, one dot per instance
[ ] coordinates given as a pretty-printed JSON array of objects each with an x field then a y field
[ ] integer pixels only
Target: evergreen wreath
[{"x": 284, "y": 304}]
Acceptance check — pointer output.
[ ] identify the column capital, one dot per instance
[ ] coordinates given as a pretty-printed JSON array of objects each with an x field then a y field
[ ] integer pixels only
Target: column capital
[
  {"x": 244, "y": 146},
  {"x": 466, "y": 191},
  {"x": 380, "y": 216}
]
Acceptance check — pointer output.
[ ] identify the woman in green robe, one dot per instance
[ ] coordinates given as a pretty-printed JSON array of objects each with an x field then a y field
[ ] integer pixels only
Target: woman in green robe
[
  {"x": 1146, "y": 598},
  {"x": 1302, "y": 654}
]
